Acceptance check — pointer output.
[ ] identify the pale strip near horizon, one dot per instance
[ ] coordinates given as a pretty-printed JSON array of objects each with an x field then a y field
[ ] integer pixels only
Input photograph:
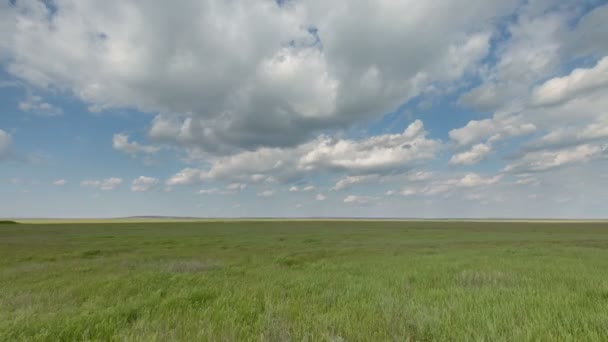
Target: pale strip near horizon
[{"x": 291, "y": 219}]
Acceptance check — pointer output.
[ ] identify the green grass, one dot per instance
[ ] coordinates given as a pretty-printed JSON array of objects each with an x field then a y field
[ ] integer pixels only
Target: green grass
[{"x": 304, "y": 280}]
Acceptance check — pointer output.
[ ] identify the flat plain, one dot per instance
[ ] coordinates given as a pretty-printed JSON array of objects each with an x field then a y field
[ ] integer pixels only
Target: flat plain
[{"x": 304, "y": 281}]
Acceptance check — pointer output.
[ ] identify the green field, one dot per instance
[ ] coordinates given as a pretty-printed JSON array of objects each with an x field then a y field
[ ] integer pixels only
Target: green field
[{"x": 304, "y": 281}]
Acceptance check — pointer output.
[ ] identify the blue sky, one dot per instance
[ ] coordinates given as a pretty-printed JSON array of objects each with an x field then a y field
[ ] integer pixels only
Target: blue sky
[{"x": 384, "y": 109}]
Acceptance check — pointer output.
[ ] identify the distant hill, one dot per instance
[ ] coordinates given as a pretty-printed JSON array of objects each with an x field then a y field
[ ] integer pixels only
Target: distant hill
[
  {"x": 162, "y": 217},
  {"x": 7, "y": 222}
]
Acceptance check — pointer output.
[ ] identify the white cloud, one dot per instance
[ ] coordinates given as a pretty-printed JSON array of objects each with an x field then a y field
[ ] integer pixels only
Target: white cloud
[
  {"x": 473, "y": 156},
  {"x": 374, "y": 155},
  {"x": 272, "y": 73},
  {"x": 349, "y": 181},
  {"x": 105, "y": 184},
  {"x": 320, "y": 197},
  {"x": 408, "y": 192},
  {"x": 359, "y": 200},
  {"x": 302, "y": 189},
  {"x": 445, "y": 186},
  {"x": 545, "y": 160},
  {"x": 5, "y": 145},
  {"x": 120, "y": 142},
  {"x": 410, "y": 176},
  {"x": 580, "y": 81},
  {"x": 419, "y": 176},
  {"x": 185, "y": 177},
  {"x": 36, "y": 105},
  {"x": 288, "y": 90},
  {"x": 266, "y": 193},
  {"x": 473, "y": 179},
  {"x": 236, "y": 186},
  {"x": 526, "y": 96},
  {"x": 527, "y": 181},
  {"x": 377, "y": 154},
  {"x": 143, "y": 183},
  {"x": 60, "y": 182},
  {"x": 494, "y": 129}
]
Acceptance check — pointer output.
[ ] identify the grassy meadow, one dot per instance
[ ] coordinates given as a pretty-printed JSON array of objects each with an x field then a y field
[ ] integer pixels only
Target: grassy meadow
[{"x": 304, "y": 281}]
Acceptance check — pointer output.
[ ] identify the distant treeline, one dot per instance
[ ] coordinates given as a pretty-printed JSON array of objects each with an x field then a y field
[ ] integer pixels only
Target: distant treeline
[{"x": 7, "y": 222}]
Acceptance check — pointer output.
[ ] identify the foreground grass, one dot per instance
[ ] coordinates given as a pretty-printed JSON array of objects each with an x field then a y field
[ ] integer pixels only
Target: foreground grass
[{"x": 299, "y": 280}]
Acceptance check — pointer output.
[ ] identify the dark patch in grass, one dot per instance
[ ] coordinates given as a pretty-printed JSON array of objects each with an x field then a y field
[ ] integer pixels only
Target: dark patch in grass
[
  {"x": 201, "y": 297},
  {"x": 8, "y": 222},
  {"x": 601, "y": 295},
  {"x": 300, "y": 259},
  {"x": 91, "y": 253},
  {"x": 196, "y": 298},
  {"x": 131, "y": 315},
  {"x": 289, "y": 261}
]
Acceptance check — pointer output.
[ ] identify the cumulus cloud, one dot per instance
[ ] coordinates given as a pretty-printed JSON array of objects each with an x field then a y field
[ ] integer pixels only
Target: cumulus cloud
[
  {"x": 407, "y": 192},
  {"x": 290, "y": 70},
  {"x": 418, "y": 176},
  {"x": 473, "y": 156},
  {"x": 36, "y": 105},
  {"x": 320, "y": 197},
  {"x": 448, "y": 185},
  {"x": 105, "y": 184},
  {"x": 185, "y": 177},
  {"x": 549, "y": 159},
  {"x": 564, "y": 112},
  {"x": 410, "y": 176},
  {"x": 307, "y": 188},
  {"x": 359, "y": 200},
  {"x": 380, "y": 154},
  {"x": 120, "y": 142},
  {"x": 491, "y": 130},
  {"x": 236, "y": 186},
  {"x": 143, "y": 183},
  {"x": 349, "y": 181},
  {"x": 527, "y": 181},
  {"x": 279, "y": 92},
  {"x": 60, "y": 182},
  {"x": 580, "y": 81},
  {"x": 266, "y": 193}
]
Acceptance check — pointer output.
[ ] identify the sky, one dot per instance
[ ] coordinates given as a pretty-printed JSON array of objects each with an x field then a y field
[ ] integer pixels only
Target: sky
[{"x": 293, "y": 108}]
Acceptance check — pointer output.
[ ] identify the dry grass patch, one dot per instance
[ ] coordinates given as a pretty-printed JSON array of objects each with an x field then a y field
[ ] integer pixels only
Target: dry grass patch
[{"x": 478, "y": 279}]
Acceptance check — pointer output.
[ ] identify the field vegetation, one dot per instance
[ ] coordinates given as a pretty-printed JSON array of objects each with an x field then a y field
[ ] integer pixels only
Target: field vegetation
[{"x": 304, "y": 281}]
